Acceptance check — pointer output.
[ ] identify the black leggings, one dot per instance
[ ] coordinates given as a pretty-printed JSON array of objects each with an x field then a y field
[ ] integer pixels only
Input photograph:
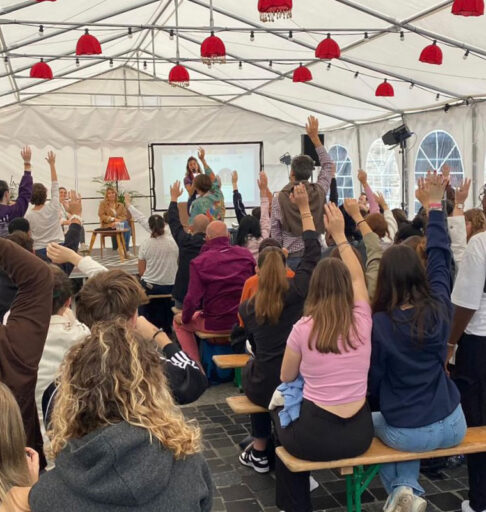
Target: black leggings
[
  {"x": 470, "y": 377},
  {"x": 317, "y": 435}
]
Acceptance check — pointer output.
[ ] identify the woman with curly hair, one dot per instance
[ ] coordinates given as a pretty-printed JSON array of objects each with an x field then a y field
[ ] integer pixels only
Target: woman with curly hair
[{"x": 118, "y": 440}]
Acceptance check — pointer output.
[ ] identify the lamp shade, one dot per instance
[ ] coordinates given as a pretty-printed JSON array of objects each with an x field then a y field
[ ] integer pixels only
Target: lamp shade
[
  {"x": 272, "y": 9},
  {"x": 328, "y": 49},
  {"x": 41, "y": 70},
  {"x": 116, "y": 170},
  {"x": 468, "y": 7},
  {"x": 431, "y": 54},
  {"x": 385, "y": 89},
  {"x": 88, "y": 45},
  {"x": 179, "y": 76},
  {"x": 213, "y": 50},
  {"x": 302, "y": 74}
]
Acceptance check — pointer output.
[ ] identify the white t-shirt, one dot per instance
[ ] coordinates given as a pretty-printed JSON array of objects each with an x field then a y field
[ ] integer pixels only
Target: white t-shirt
[
  {"x": 44, "y": 223},
  {"x": 160, "y": 255},
  {"x": 468, "y": 289}
]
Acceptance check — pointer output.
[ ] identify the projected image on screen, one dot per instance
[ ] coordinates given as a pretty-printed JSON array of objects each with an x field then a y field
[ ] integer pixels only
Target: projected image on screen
[{"x": 169, "y": 165}]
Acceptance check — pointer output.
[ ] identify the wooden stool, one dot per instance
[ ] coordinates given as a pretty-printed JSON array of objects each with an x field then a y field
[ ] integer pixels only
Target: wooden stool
[{"x": 118, "y": 234}]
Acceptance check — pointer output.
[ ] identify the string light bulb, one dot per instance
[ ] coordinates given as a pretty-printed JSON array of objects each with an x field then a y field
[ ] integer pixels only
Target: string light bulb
[
  {"x": 402, "y": 35},
  {"x": 111, "y": 63},
  {"x": 130, "y": 32},
  {"x": 329, "y": 66},
  {"x": 77, "y": 62},
  {"x": 252, "y": 36},
  {"x": 240, "y": 65},
  {"x": 366, "y": 36},
  {"x": 270, "y": 63},
  {"x": 291, "y": 34},
  {"x": 41, "y": 30},
  {"x": 437, "y": 98},
  {"x": 466, "y": 55},
  {"x": 356, "y": 74},
  {"x": 171, "y": 34},
  {"x": 412, "y": 85}
]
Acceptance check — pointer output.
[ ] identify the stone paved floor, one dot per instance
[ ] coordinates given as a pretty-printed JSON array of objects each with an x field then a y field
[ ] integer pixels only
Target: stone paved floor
[{"x": 240, "y": 489}]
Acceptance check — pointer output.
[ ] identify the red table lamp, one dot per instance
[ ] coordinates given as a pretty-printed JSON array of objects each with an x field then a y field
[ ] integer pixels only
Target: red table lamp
[{"x": 116, "y": 170}]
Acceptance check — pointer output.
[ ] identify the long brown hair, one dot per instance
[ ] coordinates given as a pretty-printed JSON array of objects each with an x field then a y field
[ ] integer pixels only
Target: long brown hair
[
  {"x": 189, "y": 173},
  {"x": 113, "y": 190},
  {"x": 114, "y": 375},
  {"x": 272, "y": 286},
  {"x": 13, "y": 462},
  {"x": 330, "y": 303}
]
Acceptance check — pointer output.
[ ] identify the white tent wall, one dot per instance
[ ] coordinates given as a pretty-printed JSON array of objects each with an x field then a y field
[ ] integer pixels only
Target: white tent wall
[{"x": 84, "y": 138}]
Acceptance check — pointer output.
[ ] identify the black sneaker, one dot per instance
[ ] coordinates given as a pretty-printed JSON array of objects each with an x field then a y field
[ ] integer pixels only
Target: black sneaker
[{"x": 254, "y": 459}]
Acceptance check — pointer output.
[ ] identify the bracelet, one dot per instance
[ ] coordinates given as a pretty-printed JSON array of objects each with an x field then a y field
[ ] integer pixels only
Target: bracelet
[
  {"x": 435, "y": 205},
  {"x": 342, "y": 243},
  {"x": 157, "y": 333},
  {"x": 306, "y": 215},
  {"x": 76, "y": 217},
  {"x": 360, "y": 222},
  {"x": 451, "y": 345}
]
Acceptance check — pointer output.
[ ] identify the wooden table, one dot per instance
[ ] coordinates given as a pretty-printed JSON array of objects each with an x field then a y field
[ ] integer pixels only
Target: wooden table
[{"x": 104, "y": 233}]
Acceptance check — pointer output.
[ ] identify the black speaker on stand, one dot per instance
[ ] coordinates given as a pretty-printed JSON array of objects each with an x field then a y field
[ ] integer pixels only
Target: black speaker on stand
[{"x": 309, "y": 149}]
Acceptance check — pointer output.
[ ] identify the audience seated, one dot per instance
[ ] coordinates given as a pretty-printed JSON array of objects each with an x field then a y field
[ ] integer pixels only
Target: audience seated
[
  {"x": 118, "y": 439},
  {"x": 330, "y": 347},
  {"x": 475, "y": 222},
  {"x": 286, "y": 225},
  {"x": 251, "y": 231},
  {"x": 19, "y": 465},
  {"x": 189, "y": 244},
  {"x": 9, "y": 211},
  {"x": 419, "y": 405},
  {"x": 111, "y": 294},
  {"x": 210, "y": 200},
  {"x": 217, "y": 277},
  {"x": 22, "y": 338},
  {"x": 44, "y": 217},
  {"x": 268, "y": 318},
  {"x": 113, "y": 214}
]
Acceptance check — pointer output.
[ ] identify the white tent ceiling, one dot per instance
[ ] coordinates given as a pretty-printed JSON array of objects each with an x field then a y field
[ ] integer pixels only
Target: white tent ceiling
[{"x": 264, "y": 82}]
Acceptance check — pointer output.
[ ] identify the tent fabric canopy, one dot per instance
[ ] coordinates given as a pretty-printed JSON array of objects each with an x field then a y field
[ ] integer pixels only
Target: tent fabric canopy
[{"x": 378, "y": 39}]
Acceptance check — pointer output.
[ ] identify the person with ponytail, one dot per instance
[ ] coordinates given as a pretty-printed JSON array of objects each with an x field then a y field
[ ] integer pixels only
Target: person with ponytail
[
  {"x": 19, "y": 466},
  {"x": 157, "y": 266},
  {"x": 193, "y": 169},
  {"x": 268, "y": 318},
  {"x": 118, "y": 439}
]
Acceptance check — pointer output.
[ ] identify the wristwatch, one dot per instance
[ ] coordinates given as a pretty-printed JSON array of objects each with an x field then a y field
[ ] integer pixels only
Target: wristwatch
[{"x": 459, "y": 206}]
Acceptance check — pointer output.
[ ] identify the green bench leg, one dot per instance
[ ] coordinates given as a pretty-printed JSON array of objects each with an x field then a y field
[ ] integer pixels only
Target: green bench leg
[
  {"x": 237, "y": 380},
  {"x": 356, "y": 485}
]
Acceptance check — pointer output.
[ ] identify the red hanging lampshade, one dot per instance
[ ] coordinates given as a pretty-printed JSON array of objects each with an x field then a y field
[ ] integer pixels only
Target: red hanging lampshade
[
  {"x": 88, "y": 45},
  {"x": 385, "y": 89},
  {"x": 302, "y": 74},
  {"x": 41, "y": 70},
  {"x": 272, "y": 9},
  {"x": 468, "y": 7},
  {"x": 179, "y": 76},
  {"x": 328, "y": 49},
  {"x": 431, "y": 54},
  {"x": 116, "y": 170},
  {"x": 213, "y": 50}
]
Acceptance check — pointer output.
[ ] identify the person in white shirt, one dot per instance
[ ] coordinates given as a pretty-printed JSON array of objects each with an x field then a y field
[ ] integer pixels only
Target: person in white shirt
[
  {"x": 469, "y": 333},
  {"x": 157, "y": 266},
  {"x": 44, "y": 217}
]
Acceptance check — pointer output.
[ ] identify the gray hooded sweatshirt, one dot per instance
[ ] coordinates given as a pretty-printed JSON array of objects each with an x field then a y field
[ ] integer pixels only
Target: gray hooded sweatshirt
[{"x": 117, "y": 469}]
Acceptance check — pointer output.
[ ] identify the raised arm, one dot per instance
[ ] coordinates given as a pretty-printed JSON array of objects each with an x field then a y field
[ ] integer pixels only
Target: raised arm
[
  {"x": 430, "y": 192},
  {"x": 264, "y": 206},
  {"x": 51, "y": 160},
  {"x": 333, "y": 192},
  {"x": 363, "y": 179},
  {"x": 334, "y": 223},
  {"x": 60, "y": 255},
  {"x": 240, "y": 211},
  {"x": 175, "y": 225},
  {"x": 374, "y": 251},
  {"x": 25, "y": 188},
  {"x": 275, "y": 224},
  {"x": 387, "y": 213},
  {"x": 137, "y": 215},
  {"x": 324, "y": 177},
  {"x": 457, "y": 223},
  {"x": 202, "y": 156}
]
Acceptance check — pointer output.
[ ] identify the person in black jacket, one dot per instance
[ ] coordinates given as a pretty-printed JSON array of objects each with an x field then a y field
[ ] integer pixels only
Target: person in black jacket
[
  {"x": 269, "y": 317},
  {"x": 189, "y": 243}
]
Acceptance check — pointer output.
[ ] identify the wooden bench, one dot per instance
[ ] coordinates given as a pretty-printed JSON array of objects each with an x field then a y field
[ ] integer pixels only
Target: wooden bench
[
  {"x": 160, "y": 296},
  {"x": 212, "y": 335},
  {"x": 242, "y": 405},
  {"x": 176, "y": 310},
  {"x": 229, "y": 361},
  {"x": 358, "y": 477}
]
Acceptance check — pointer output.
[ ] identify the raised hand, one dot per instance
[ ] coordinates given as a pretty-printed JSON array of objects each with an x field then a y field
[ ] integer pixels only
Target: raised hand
[
  {"x": 32, "y": 464},
  {"x": 75, "y": 206},
  {"x": 436, "y": 185},
  {"x": 263, "y": 183},
  {"x": 380, "y": 199},
  {"x": 175, "y": 191},
  {"x": 128, "y": 199},
  {"x": 299, "y": 197},
  {"x": 201, "y": 153},
  {"x": 462, "y": 191},
  {"x": 352, "y": 209},
  {"x": 362, "y": 177},
  {"x": 312, "y": 128},
  {"x": 26, "y": 154},
  {"x": 51, "y": 158},
  {"x": 234, "y": 180},
  {"x": 334, "y": 222},
  {"x": 446, "y": 172},
  {"x": 422, "y": 193},
  {"x": 60, "y": 254}
]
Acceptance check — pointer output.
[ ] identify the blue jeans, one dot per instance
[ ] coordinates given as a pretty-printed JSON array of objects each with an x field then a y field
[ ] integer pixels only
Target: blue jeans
[
  {"x": 126, "y": 236},
  {"x": 445, "y": 433}
]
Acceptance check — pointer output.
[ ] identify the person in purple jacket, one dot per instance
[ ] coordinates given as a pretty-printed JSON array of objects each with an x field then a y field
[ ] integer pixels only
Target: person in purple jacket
[
  {"x": 8, "y": 211},
  {"x": 216, "y": 279}
]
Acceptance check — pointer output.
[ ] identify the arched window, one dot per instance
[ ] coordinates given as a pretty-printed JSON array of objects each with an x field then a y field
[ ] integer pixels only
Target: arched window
[
  {"x": 383, "y": 174},
  {"x": 436, "y": 150},
  {"x": 344, "y": 171}
]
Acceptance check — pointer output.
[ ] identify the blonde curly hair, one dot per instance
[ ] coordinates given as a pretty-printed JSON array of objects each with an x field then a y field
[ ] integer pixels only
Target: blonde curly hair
[{"x": 115, "y": 375}]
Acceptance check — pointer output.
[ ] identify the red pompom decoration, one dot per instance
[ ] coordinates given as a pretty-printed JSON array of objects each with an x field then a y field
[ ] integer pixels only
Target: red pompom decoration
[
  {"x": 431, "y": 54},
  {"x": 213, "y": 50},
  {"x": 468, "y": 7},
  {"x": 179, "y": 76},
  {"x": 88, "y": 45},
  {"x": 41, "y": 70},
  {"x": 328, "y": 49},
  {"x": 385, "y": 89},
  {"x": 302, "y": 74},
  {"x": 272, "y": 9}
]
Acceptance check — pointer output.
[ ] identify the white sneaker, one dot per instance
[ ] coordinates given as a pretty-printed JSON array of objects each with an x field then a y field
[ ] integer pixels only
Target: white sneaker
[
  {"x": 419, "y": 504},
  {"x": 401, "y": 500},
  {"x": 314, "y": 484}
]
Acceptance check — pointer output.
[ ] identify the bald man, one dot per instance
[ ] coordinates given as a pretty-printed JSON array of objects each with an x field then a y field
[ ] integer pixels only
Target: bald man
[
  {"x": 189, "y": 243},
  {"x": 216, "y": 281}
]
